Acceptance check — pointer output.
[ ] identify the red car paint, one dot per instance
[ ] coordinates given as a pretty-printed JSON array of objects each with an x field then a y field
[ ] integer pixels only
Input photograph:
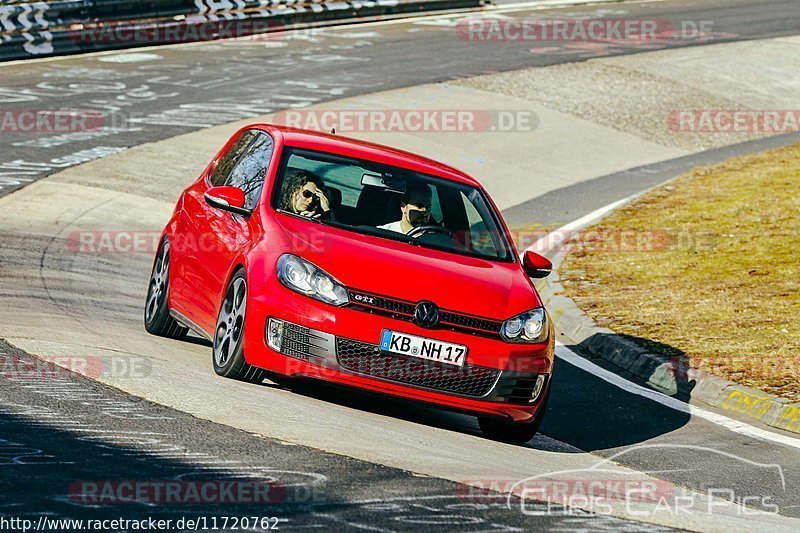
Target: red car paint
[{"x": 209, "y": 244}]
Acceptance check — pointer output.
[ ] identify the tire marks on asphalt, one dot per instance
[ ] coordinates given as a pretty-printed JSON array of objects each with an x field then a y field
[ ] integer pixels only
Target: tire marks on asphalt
[{"x": 69, "y": 430}]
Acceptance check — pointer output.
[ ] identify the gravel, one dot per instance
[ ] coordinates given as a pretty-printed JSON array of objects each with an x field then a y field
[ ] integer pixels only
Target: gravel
[{"x": 604, "y": 91}]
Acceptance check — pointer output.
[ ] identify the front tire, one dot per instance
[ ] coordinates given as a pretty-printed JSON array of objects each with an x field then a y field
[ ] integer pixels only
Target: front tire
[
  {"x": 228, "y": 357},
  {"x": 157, "y": 319}
]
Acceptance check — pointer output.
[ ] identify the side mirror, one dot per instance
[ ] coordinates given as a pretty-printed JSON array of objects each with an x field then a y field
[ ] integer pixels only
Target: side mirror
[
  {"x": 228, "y": 199},
  {"x": 536, "y": 266}
]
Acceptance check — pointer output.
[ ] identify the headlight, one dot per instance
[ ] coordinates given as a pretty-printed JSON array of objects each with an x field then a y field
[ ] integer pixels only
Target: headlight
[
  {"x": 305, "y": 278},
  {"x": 530, "y": 326}
]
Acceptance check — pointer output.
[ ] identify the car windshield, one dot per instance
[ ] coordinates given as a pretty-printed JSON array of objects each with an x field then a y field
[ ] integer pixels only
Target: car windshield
[{"x": 390, "y": 202}]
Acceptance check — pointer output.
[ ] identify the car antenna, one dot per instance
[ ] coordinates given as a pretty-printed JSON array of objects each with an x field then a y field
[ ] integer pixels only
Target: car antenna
[{"x": 333, "y": 131}]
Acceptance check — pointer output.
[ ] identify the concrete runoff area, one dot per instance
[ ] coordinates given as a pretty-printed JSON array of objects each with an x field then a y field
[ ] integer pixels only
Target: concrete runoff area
[
  {"x": 60, "y": 302},
  {"x": 643, "y": 94}
]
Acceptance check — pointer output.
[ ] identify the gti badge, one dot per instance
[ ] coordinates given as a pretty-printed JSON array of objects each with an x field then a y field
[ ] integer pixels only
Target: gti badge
[{"x": 366, "y": 299}]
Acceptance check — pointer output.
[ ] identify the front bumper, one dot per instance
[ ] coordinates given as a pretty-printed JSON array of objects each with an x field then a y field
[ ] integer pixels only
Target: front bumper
[{"x": 510, "y": 384}]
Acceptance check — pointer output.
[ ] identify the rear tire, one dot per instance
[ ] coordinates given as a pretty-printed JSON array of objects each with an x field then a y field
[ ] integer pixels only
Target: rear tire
[
  {"x": 228, "y": 356},
  {"x": 157, "y": 319},
  {"x": 514, "y": 432}
]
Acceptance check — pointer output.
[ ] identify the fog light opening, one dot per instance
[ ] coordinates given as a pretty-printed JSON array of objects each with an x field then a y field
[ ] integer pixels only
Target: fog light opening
[
  {"x": 274, "y": 333},
  {"x": 537, "y": 389}
]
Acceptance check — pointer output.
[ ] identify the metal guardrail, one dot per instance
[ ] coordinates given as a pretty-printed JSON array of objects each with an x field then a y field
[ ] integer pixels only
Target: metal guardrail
[{"x": 45, "y": 28}]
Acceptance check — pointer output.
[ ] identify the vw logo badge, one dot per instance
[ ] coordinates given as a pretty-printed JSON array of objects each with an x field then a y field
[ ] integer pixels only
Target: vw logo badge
[{"x": 426, "y": 314}]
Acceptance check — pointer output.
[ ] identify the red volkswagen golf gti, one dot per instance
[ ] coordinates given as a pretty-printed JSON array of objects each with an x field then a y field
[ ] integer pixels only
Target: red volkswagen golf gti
[{"x": 312, "y": 255}]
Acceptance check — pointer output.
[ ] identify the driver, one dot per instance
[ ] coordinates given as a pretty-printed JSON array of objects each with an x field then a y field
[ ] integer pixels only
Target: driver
[{"x": 415, "y": 209}]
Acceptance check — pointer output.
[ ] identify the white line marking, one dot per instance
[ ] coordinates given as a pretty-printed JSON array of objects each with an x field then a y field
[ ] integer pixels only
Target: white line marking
[
  {"x": 557, "y": 238},
  {"x": 585, "y": 220},
  {"x": 595, "y": 215},
  {"x": 721, "y": 420}
]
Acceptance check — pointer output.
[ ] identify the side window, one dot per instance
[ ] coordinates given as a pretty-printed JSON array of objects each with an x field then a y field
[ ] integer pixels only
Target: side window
[
  {"x": 226, "y": 163},
  {"x": 249, "y": 173},
  {"x": 436, "y": 207},
  {"x": 473, "y": 217},
  {"x": 482, "y": 239}
]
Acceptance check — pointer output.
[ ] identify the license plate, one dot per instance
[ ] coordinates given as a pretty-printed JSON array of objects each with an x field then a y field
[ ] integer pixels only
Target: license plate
[{"x": 422, "y": 348}]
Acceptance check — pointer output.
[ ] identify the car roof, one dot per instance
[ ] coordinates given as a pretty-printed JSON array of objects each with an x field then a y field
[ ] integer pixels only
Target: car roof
[{"x": 360, "y": 149}]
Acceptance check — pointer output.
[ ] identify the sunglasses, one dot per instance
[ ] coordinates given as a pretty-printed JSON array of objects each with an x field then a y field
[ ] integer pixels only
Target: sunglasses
[{"x": 307, "y": 193}]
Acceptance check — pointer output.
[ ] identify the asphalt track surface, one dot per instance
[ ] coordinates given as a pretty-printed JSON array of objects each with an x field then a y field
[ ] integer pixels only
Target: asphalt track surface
[
  {"x": 54, "y": 440},
  {"x": 53, "y": 432},
  {"x": 196, "y": 86}
]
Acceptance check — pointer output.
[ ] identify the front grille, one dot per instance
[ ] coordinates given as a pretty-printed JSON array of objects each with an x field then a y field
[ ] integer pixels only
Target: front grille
[
  {"x": 396, "y": 308},
  {"x": 470, "y": 322},
  {"x": 404, "y": 310},
  {"x": 365, "y": 358}
]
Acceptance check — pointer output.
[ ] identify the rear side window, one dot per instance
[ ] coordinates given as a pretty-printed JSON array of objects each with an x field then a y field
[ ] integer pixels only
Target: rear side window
[
  {"x": 227, "y": 162},
  {"x": 251, "y": 169}
]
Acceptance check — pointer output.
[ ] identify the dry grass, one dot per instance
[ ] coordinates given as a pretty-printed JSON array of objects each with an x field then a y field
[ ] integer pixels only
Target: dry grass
[{"x": 720, "y": 280}]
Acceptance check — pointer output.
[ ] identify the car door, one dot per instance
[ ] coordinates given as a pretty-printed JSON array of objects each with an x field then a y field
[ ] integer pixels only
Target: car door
[{"x": 221, "y": 236}]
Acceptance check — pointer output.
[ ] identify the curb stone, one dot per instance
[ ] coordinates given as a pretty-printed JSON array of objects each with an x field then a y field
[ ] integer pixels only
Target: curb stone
[{"x": 668, "y": 374}]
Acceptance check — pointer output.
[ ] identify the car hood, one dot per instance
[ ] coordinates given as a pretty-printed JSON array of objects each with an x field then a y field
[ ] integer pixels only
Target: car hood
[{"x": 399, "y": 270}]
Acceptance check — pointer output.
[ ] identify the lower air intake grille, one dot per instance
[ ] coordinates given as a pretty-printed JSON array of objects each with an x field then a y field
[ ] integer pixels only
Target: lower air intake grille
[
  {"x": 302, "y": 343},
  {"x": 364, "y": 358},
  {"x": 295, "y": 341}
]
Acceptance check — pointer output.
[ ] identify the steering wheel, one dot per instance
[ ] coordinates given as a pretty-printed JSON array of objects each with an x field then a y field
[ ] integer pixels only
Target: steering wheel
[{"x": 436, "y": 229}]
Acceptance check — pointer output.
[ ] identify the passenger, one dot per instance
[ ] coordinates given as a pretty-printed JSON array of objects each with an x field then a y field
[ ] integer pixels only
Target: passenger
[
  {"x": 415, "y": 209},
  {"x": 303, "y": 193}
]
